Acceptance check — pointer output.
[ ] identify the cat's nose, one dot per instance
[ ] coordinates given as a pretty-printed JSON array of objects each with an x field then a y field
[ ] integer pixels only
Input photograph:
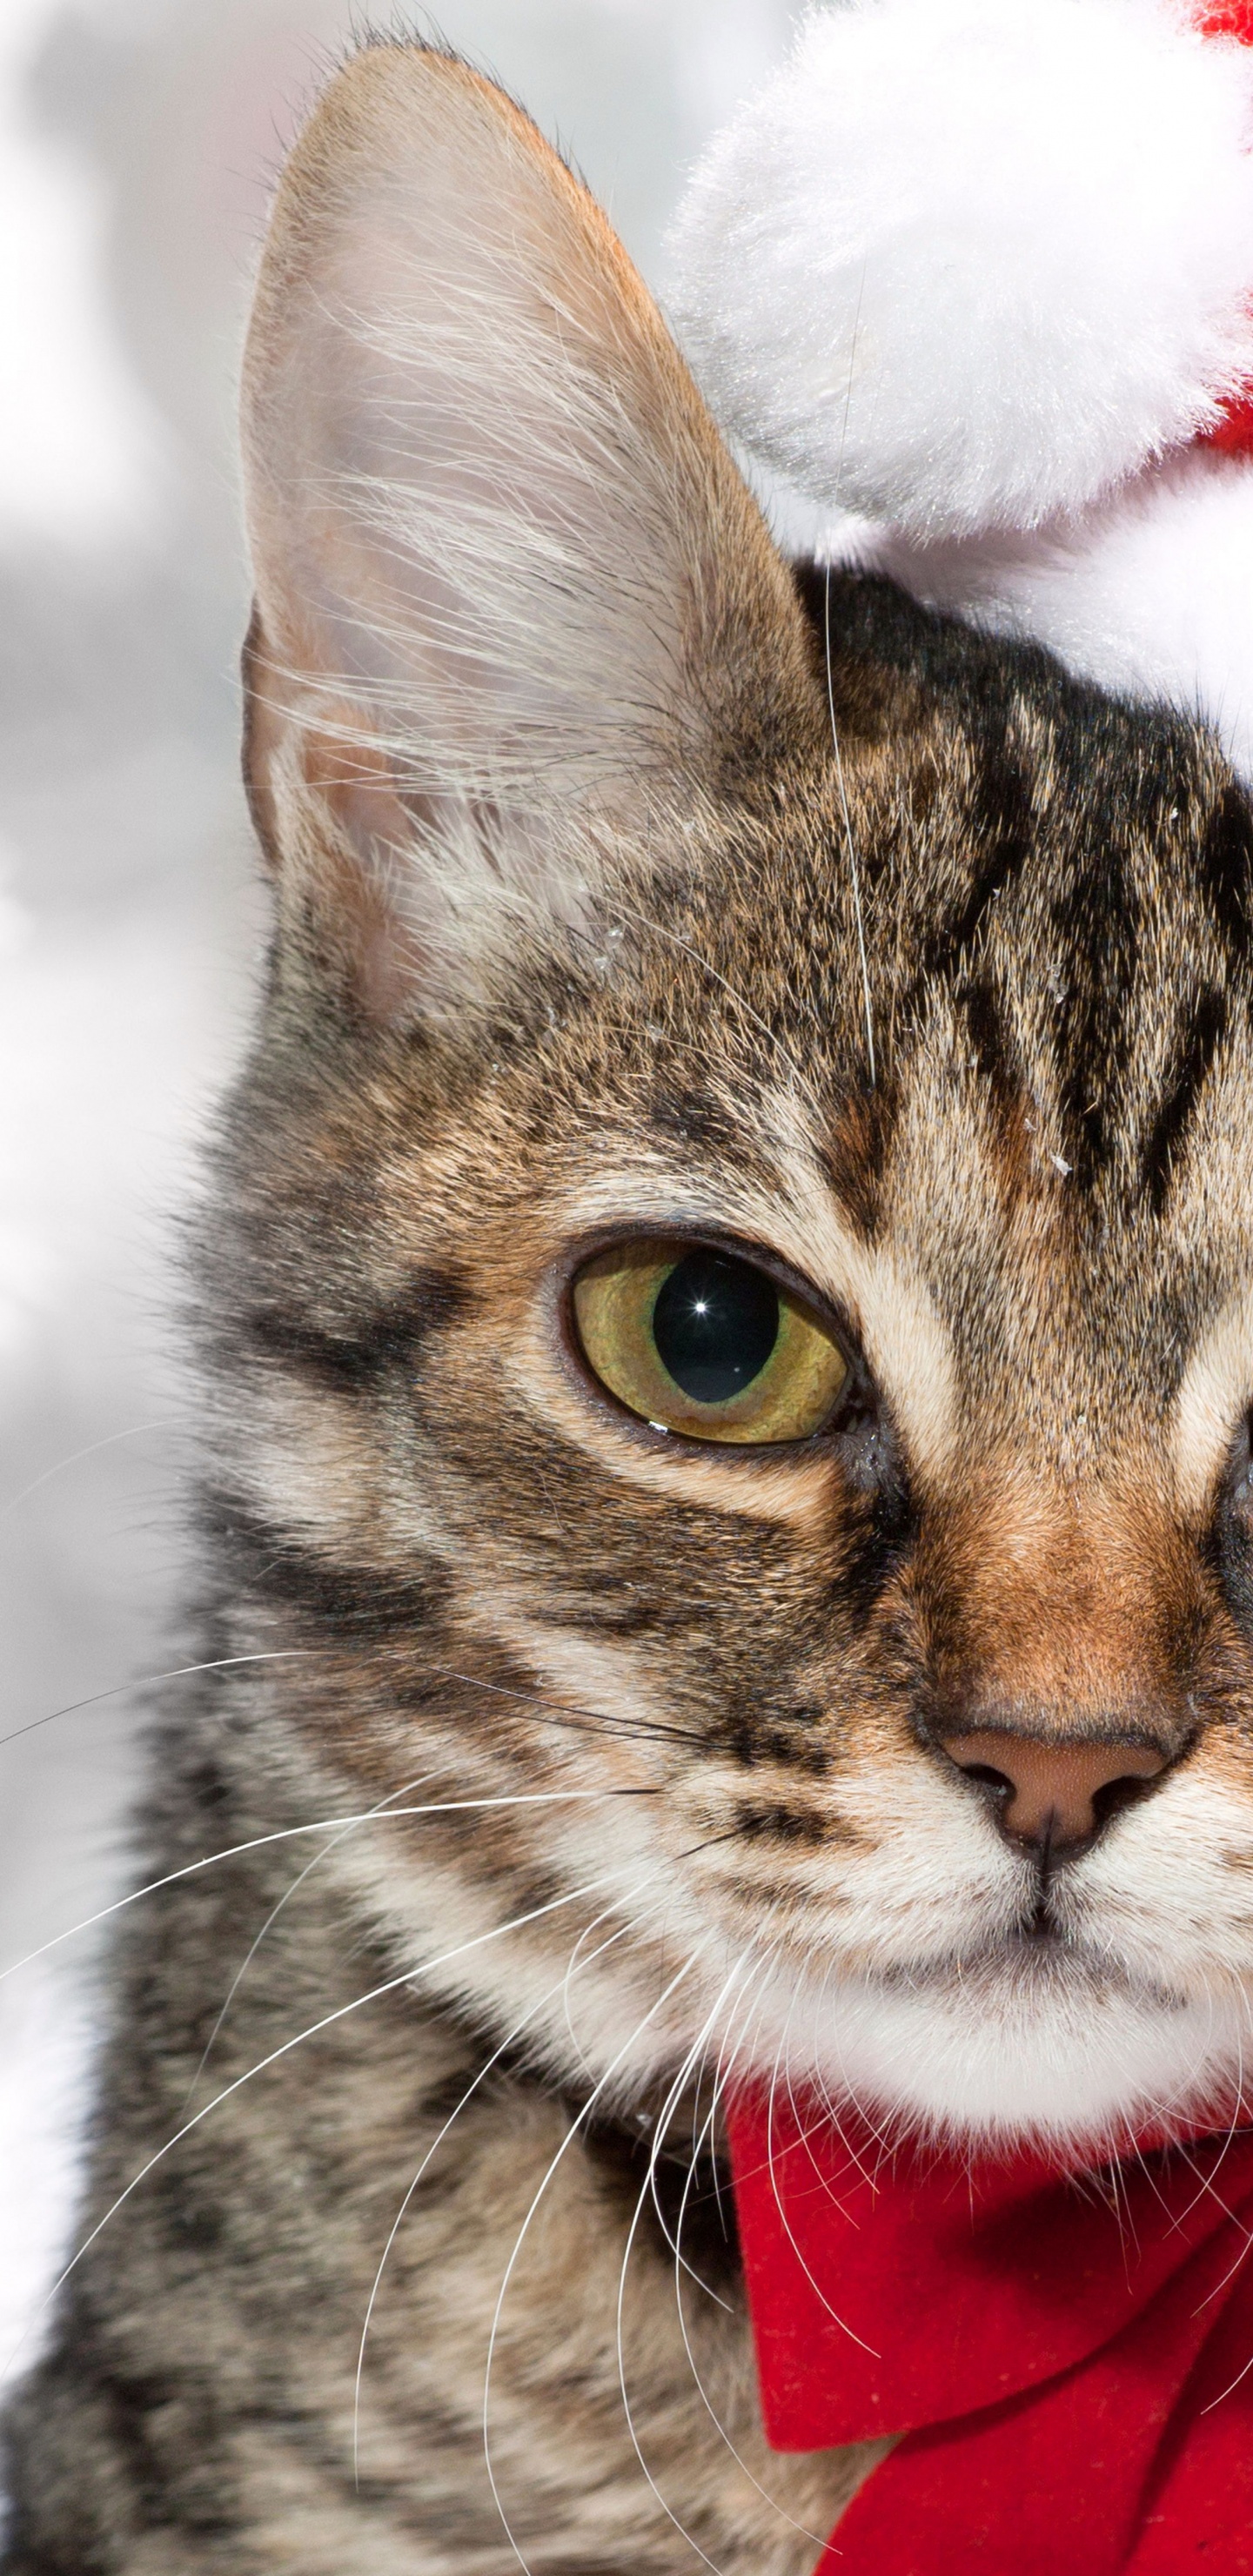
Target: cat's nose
[{"x": 1049, "y": 1794}]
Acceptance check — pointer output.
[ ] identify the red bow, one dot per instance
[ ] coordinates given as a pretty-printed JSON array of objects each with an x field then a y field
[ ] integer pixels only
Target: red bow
[{"x": 1068, "y": 2358}]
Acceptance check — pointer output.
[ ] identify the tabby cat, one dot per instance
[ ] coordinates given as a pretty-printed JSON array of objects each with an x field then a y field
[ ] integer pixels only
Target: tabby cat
[{"x": 727, "y": 1518}]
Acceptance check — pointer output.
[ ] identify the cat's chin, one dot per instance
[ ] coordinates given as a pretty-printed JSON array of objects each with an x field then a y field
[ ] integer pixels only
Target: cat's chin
[{"x": 1035, "y": 2040}]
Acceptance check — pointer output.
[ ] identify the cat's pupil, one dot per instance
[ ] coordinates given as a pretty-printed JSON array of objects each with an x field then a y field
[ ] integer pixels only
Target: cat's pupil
[{"x": 715, "y": 1325}]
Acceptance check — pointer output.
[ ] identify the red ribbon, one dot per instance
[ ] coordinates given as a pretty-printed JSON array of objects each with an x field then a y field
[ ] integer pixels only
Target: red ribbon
[{"x": 1069, "y": 2359}]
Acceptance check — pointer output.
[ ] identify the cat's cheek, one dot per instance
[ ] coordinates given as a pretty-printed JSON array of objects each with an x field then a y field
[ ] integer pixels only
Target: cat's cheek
[
  {"x": 1170, "y": 1895},
  {"x": 894, "y": 1879},
  {"x": 797, "y": 1486},
  {"x": 630, "y": 1733},
  {"x": 316, "y": 1466},
  {"x": 583, "y": 1980}
]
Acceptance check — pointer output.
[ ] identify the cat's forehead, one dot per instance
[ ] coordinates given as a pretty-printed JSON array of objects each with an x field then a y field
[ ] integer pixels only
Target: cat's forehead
[
  {"x": 956, "y": 1028},
  {"x": 1052, "y": 1139}
]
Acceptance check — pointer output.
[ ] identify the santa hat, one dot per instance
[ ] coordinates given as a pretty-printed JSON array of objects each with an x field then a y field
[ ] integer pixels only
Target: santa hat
[{"x": 974, "y": 278}]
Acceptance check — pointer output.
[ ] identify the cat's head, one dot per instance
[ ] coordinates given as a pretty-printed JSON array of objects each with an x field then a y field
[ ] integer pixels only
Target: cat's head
[{"x": 741, "y": 1302}]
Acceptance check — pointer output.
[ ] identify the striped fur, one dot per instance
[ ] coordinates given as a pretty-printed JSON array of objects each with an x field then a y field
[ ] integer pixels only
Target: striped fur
[{"x": 630, "y": 1747}]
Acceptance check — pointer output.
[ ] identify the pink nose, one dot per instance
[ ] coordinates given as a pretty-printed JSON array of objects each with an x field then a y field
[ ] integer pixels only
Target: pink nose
[{"x": 1050, "y": 1793}]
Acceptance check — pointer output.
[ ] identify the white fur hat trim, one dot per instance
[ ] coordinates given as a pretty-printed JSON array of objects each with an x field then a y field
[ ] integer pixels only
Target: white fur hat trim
[
  {"x": 1150, "y": 592},
  {"x": 969, "y": 263}
]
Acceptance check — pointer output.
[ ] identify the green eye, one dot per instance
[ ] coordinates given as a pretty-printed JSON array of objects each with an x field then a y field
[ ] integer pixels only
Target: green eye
[{"x": 702, "y": 1343}]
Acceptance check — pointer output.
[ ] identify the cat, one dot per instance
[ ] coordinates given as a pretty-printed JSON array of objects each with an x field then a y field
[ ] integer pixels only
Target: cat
[{"x": 726, "y": 1521}]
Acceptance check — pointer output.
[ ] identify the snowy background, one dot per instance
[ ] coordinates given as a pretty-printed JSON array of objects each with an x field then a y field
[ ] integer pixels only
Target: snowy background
[{"x": 136, "y": 142}]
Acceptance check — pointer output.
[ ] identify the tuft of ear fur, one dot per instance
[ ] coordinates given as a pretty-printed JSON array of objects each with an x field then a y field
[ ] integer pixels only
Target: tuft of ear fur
[{"x": 513, "y": 600}]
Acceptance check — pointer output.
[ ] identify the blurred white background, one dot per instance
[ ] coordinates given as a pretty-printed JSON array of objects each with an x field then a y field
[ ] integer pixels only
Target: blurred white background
[{"x": 137, "y": 138}]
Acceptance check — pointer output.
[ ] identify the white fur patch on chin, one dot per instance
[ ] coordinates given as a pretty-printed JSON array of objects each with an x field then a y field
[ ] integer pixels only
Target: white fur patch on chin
[{"x": 1061, "y": 2051}]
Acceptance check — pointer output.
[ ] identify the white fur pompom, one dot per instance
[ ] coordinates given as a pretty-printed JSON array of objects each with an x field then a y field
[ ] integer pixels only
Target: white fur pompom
[{"x": 967, "y": 263}]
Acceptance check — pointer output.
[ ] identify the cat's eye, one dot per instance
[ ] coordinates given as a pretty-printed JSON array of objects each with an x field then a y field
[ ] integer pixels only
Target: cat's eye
[{"x": 703, "y": 1343}]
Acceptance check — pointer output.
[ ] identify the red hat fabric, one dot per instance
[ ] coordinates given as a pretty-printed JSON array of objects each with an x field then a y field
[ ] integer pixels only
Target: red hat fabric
[
  {"x": 1228, "y": 18},
  {"x": 1234, "y": 432}
]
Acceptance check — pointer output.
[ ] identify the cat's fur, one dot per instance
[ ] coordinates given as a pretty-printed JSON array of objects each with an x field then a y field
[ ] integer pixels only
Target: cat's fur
[{"x": 569, "y": 885}]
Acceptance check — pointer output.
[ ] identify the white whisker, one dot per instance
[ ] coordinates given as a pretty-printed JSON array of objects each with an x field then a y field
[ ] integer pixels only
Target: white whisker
[
  {"x": 332, "y": 1825},
  {"x": 707, "y": 2134},
  {"x": 623, "y": 1932},
  {"x": 352, "y": 1826},
  {"x": 92, "y": 1449},
  {"x": 691, "y": 2060},
  {"x": 150, "y": 1681},
  {"x": 389, "y": 1985},
  {"x": 571, "y": 2134}
]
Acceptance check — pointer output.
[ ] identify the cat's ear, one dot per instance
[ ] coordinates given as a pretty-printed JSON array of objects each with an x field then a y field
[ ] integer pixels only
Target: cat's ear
[{"x": 514, "y": 602}]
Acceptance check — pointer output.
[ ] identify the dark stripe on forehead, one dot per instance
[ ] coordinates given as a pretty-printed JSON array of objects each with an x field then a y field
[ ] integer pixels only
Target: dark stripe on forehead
[
  {"x": 1117, "y": 987},
  {"x": 1196, "y": 1055},
  {"x": 991, "y": 1039},
  {"x": 1001, "y": 829},
  {"x": 855, "y": 1156},
  {"x": 692, "y": 1117},
  {"x": 997, "y": 833},
  {"x": 1226, "y": 871},
  {"x": 1096, "y": 920}
]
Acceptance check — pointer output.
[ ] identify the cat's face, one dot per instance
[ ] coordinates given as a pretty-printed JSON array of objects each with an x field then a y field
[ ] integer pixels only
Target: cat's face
[{"x": 780, "y": 1430}]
